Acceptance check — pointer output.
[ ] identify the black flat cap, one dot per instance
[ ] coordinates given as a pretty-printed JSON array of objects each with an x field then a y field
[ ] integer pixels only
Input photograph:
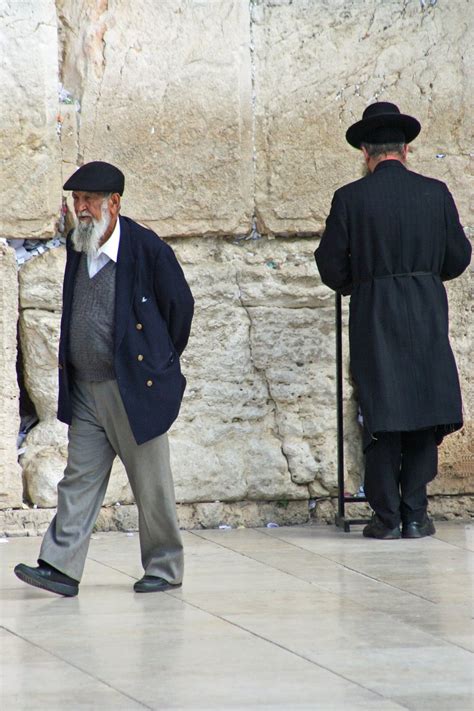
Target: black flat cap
[
  {"x": 382, "y": 122},
  {"x": 97, "y": 177}
]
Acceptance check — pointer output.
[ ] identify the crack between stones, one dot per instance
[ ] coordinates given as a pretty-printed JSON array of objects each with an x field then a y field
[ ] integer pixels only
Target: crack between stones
[
  {"x": 63, "y": 24},
  {"x": 78, "y": 90},
  {"x": 256, "y": 219},
  {"x": 105, "y": 9},
  {"x": 263, "y": 373},
  {"x": 40, "y": 308}
]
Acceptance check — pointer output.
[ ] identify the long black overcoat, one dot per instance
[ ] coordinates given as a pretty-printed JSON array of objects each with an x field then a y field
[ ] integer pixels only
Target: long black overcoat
[
  {"x": 391, "y": 239},
  {"x": 153, "y": 314}
]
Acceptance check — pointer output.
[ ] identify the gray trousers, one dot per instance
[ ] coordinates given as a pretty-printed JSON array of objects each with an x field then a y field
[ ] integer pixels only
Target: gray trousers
[{"x": 99, "y": 431}]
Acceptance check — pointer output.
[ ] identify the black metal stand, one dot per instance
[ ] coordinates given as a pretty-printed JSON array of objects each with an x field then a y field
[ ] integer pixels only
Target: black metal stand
[{"x": 340, "y": 520}]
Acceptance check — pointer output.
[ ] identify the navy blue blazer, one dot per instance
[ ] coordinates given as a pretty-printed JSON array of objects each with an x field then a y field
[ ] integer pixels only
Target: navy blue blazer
[{"x": 153, "y": 314}]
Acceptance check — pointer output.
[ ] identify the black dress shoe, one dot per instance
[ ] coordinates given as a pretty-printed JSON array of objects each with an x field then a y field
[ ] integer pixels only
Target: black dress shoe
[
  {"x": 377, "y": 529},
  {"x": 47, "y": 578},
  {"x": 418, "y": 529},
  {"x": 151, "y": 583}
]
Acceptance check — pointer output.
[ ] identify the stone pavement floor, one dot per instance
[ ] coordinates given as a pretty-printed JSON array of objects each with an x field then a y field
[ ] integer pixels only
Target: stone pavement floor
[{"x": 287, "y": 618}]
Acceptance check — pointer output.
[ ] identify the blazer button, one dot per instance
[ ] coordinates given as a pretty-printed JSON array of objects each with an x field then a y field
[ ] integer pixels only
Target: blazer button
[
  {"x": 139, "y": 326},
  {"x": 60, "y": 366},
  {"x": 140, "y": 357},
  {"x": 149, "y": 383}
]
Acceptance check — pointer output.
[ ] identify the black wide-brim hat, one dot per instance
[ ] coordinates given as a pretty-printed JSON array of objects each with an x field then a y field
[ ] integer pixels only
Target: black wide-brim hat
[
  {"x": 382, "y": 122},
  {"x": 97, "y": 177}
]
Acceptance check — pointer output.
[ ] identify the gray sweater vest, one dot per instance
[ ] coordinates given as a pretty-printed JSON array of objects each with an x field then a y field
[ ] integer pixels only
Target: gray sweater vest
[{"x": 91, "y": 333}]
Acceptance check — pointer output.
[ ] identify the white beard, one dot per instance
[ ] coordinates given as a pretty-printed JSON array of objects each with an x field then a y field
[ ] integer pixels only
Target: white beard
[{"x": 86, "y": 236}]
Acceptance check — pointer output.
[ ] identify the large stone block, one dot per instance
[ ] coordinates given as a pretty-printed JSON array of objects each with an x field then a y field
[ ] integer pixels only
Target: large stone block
[
  {"x": 251, "y": 369},
  {"x": 41, "y": 281},
  {"x": 40, "y": 302},
  {"x": 242, "y": 461},
  {"x": 319, "y": 64},
  {"x": 258, "y": 421},
  {"x": 456, "y": 454},
  {"x": 30, "y": 186},
  {"x": 165, "y": 92},
  {"x": 456, "y": 463},
  {"x": 11, "y": 488},
  {"x": 262, "y": 354},
  {"x": 39, "y": 333}
]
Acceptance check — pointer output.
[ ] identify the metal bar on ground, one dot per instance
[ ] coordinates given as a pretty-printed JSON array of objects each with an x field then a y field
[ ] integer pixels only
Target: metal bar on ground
[
  {"x": 340, "y": 410},
  {"x": 340, "y": 520}
]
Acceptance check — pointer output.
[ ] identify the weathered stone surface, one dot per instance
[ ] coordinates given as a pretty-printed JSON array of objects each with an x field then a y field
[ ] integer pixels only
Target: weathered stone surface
[
  {"x": 30, "y": 186},
  {"x": 10, "y": 473},
  {"x": 441, "y": 508},
  {"x": 165, "y": 93},
  {"x": 318, "y": 65},
  {"x": 39, "y": 333},
  {"x": 49, "y": 432},
  {"x": 40, "y": 301},
  {"x": 25, "y": 522},
  {"x": 42, "y": 469},
  {"x": 449, "y": 508},
  {"x": 247, "y": 514},
  {"x": 456, "y": 454},
  {"x": 456, "y": 463},
  {"x": 258, "y": 420},
  {"x": 228, "y": 462},
  {"x": 41, "y": 281},
  {"x": 252, "y": 424},
  {"x": 262, "y": 352}
]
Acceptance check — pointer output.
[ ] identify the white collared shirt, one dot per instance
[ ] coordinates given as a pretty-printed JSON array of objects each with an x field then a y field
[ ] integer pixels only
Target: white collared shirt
[{"x": 108, "y": 251}]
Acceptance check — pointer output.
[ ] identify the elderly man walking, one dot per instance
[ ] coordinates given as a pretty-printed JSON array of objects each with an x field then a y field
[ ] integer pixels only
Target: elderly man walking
[
  {"x": 391, "y": 239},
  {"x": 127, "y": 312}
]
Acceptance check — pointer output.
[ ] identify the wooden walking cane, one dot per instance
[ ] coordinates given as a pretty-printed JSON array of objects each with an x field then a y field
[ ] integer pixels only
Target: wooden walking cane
[{"x": 340, "y": 520}]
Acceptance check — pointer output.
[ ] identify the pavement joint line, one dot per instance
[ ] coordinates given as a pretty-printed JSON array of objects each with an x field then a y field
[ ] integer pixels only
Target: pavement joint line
[
  {"x": 319, "y": 555},
  {"x": 226, "y": 621},
  {"x": 273, "y": 534},
  {"x": 75, "y": 666},
  {"x": 289, "y": 651},
  {"x": 298, "y": 577},
  {"x": 111, "y": 567},
  {"x": 328, "y": 590},
  {"x": 195, "y": 606},
  {"x": 453, "y": 545},
  {"x": 353, "y": 570}
]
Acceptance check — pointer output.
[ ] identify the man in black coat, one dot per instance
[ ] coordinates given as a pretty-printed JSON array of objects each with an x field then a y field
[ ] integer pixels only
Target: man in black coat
[
  {"x": 391, "y": 239},
  {"x": 127, "y": 312}
]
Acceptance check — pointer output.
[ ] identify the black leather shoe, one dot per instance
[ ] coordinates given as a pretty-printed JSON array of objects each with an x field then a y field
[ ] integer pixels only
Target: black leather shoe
[
  {"x": 377, "y": 529},
  {"x": 418, "y": 529},
  {"x": 151, "y": 583},
  {"x": 47, "y": 578}
]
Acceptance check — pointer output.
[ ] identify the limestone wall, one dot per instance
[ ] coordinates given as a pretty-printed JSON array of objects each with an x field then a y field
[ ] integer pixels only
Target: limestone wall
[
  {"x": 228, "y": 118},
  {"x": 10, "y": 473},
  {"x": 30, "y": 179}
]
